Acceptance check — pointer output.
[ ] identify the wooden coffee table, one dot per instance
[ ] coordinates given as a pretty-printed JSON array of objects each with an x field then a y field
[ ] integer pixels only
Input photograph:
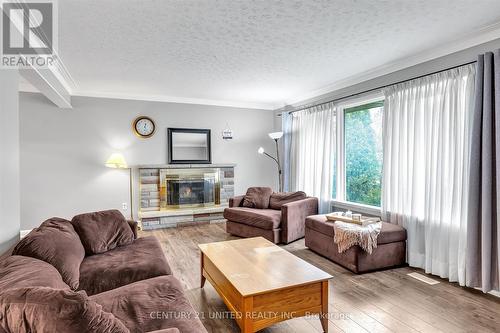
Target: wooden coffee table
[{"x": 263, "y": 284}]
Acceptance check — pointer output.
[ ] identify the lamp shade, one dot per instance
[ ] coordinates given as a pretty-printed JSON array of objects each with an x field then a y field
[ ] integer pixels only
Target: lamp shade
[
  {"x": 116, "y": 161},
  {"x": 260, "y": 150},
  {"x": 276, "y": 135}
]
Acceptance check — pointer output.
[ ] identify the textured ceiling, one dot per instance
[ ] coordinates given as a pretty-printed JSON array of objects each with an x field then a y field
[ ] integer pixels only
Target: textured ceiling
[{"x": 262, "y": 52}]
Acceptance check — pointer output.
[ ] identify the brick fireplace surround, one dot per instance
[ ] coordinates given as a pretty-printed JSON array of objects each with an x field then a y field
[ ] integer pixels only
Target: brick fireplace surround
[{"x": 178, "y": 195}]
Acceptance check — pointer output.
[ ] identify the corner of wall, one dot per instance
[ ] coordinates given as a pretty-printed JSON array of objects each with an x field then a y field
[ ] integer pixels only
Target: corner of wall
[{"x": 9, "y": 168}]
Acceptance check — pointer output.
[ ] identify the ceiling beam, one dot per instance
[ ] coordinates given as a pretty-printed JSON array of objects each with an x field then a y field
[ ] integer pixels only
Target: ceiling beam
[
  {"x": 50, "y": 84},
  {"x": 52, "y": 80}
]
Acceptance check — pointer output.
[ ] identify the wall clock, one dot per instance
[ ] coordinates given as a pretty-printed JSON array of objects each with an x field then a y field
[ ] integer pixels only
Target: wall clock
[{"x": 144, "y": 127}]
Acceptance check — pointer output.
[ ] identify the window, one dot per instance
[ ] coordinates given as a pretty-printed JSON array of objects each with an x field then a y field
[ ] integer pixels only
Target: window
[
  {"x": 360, "y": 154},
  {"x": 363, "y": 153}
]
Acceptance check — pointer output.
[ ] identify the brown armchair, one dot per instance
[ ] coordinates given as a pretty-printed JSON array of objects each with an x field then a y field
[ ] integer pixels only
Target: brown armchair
[{"x": 282, "y": 221}]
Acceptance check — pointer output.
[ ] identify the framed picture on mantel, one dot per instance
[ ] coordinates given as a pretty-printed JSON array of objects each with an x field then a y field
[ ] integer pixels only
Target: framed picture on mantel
[{"x": 189, "y": 146}]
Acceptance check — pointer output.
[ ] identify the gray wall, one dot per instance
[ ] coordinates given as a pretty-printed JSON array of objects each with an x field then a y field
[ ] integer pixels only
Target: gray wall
[
  {"x": 9, "y": 163},
  {"x": 63, "y": 151}
]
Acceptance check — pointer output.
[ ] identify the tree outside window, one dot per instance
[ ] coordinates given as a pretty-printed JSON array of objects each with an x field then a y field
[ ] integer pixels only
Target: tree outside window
[{"x": 363, "y": 153}]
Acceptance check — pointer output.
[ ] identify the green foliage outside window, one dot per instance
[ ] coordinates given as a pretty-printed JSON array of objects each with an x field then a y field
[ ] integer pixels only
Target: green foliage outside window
[{"x": 363, "y": 153}]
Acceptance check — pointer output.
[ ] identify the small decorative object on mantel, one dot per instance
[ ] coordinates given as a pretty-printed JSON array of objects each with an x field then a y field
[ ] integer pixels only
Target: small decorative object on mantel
[
  {"x": 227, "y": 133},
  {"x": 352, "y": 218},
  {"x": 144, "y": 127}
]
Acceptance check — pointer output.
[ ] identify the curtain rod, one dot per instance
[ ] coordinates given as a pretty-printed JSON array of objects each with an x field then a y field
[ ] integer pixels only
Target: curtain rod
[{"x": 304, "y": 107}]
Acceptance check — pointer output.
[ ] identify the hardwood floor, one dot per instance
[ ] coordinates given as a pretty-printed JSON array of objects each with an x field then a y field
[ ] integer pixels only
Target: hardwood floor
[{"x": 386, "y": 301}]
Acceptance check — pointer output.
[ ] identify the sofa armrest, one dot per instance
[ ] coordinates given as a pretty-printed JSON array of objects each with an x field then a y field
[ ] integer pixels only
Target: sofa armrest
[
  {"x": 293, "y": 215},
  {"x": 236, "y": 201},
  {"x": 134, "y": 226}
]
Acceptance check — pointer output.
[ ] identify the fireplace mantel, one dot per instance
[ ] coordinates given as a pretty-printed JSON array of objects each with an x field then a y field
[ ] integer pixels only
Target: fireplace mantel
[
  {"x": 183, "y": 194},
  {"x": 185, "y": 166}
]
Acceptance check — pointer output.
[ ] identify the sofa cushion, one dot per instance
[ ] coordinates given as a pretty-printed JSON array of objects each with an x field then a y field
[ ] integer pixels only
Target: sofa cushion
[
  {"x": 150, "y": 305},
  {"x": 57, "y": 243},
  {"x": 102, "y": 231},
  {"x": 279, "y": 199},
  {"x": 257, "y": 197},
  {"x": 41, "y": 309},
  {"x": 20, "y": 271},
  {"x": 390, "y": 233},
  {"x": 261, "y": 218},
  {"x": 143, "y": 259}
]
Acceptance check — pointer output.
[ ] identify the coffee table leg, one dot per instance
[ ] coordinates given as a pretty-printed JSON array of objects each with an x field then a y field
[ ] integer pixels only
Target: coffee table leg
[
  {"x": 324, "y": 306},
  {"x": 203, "y": 279},
  {"x": 246, "y": 313}
]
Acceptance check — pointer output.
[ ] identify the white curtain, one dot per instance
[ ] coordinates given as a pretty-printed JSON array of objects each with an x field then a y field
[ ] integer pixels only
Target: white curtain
[
  {"x": 312, "y": 153},
  {"x": 426, "y": 139},
  {"x": 286, "y": 125}
]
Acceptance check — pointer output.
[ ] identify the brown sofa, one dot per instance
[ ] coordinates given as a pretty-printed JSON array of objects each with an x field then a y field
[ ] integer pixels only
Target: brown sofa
[
  {"x": 119, "y": 283},
  {"x": 390, "y": 250},
  {"x": 278, "y": 217}
]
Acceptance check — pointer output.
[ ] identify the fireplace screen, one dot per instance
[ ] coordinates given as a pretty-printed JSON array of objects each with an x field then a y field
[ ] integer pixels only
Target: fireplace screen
[
  {"x": 193, "y": 189},
  {"x": 190, "y": 192}
]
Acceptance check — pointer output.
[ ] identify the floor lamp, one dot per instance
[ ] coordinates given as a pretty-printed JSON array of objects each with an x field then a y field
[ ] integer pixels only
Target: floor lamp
[
  {"x": 117, "y": 161},
  {"x": 275, "y": 136}
]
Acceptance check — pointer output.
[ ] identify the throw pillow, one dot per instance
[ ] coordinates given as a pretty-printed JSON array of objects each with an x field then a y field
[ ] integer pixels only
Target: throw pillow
[
  {"x": 42, "y": 309},
  {"x": 102, "y": 231},
  {"x": 56, "y": 243},
  {"x": 20, "y": 271},
  {"x": 257, "y": 197},
  {"x": 279, "y": 199}
]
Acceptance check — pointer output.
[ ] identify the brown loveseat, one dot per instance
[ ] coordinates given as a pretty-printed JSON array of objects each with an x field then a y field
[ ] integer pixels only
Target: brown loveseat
[
  {"x": 91, "y": 274},
  {"x": 278, "y": 217}
]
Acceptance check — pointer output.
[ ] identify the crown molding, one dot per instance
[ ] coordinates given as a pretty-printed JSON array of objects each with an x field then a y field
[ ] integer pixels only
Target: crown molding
[
  {"x": 173, "y": 99},
  {"x": 481, "y": 36}
]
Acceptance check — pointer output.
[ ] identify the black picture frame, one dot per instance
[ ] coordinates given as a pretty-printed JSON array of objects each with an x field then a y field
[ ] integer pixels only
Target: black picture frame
[{"x": 207, "y": 132}]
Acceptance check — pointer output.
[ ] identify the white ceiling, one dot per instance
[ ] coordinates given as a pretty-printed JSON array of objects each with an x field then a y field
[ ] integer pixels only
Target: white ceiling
[{"x": 260, "y": 53}]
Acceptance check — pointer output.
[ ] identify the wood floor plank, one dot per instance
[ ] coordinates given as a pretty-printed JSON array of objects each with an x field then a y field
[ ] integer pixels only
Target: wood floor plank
[
  {"x": 385, "y": 301},
  {"x": 409, "y": 300},
  {"x": 368, "y": 315}
]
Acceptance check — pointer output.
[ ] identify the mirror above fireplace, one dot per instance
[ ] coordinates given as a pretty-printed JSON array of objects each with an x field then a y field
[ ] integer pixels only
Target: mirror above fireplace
[{"x": 189, "y": 146}]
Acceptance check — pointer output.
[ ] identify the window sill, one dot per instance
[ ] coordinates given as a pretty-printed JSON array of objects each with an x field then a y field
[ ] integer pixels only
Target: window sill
[{"x": 357, "y": 207}]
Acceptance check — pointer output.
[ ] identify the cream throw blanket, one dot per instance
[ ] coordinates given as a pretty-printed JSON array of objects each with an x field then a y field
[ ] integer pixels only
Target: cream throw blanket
[{"x": 348, "y": 235}]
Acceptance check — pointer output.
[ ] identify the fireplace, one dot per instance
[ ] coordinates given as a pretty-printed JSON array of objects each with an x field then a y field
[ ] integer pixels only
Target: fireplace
[
  {"x": 173, "y": 195},
  {"x": 189, "y": 188}
]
